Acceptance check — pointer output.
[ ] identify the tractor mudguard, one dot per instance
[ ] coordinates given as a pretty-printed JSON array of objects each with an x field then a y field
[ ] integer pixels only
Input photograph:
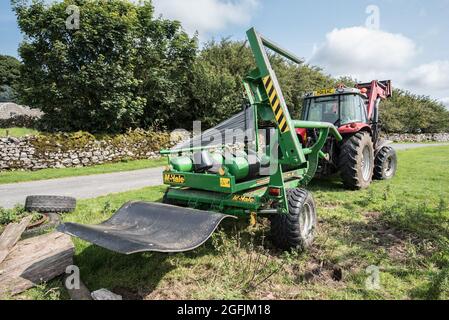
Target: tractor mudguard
[
  {"x": 380, "y": 144},
  {"x": 142, "y": 226}
]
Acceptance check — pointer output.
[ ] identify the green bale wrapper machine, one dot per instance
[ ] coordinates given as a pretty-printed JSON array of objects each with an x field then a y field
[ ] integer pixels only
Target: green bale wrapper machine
[{"x": 254, "y": 165}]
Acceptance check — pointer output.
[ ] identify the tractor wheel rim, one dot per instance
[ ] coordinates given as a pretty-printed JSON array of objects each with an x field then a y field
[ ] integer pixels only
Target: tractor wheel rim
[
  {"x": 390, "y": 166},
  {"x": 366, "y": 163},
  {"x": 306, "y": 221}
]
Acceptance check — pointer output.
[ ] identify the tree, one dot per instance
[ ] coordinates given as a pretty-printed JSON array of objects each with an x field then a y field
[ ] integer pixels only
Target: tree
[
  {"x": 119, "y": 70},
  {"x": 407, "y": 112},
  {"x": 9, "y": 75}
]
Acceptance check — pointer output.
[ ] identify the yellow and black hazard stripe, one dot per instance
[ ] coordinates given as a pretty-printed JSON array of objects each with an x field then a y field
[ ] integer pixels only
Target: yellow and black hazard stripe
[{"x": 276, "y": 104}]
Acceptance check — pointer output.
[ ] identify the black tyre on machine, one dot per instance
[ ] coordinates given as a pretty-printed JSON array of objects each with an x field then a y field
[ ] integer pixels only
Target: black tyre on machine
[
  {"x": 356, "y": 161},
  {"x": 295, "y": 230},
  {"x": 385, "y": 164}
]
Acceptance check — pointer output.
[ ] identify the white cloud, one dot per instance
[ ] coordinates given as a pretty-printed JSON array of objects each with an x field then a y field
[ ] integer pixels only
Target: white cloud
[
  {"x": 367, "y": 54},
  {"x": 430, "y": 76},
  {"x": 364, "y": 53},
  {"x": 207, "y": 16}
]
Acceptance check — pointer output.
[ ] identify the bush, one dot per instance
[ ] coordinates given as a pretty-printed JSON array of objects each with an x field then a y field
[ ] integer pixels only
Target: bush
[
  {"x": 21, "y": 121},
  {"x": 122, "y": 68},
  {"x": 8, "y": 216}
]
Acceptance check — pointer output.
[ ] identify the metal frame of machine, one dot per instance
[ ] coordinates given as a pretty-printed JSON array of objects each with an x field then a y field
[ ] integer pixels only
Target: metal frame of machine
[{"x": 221, "y": 192}]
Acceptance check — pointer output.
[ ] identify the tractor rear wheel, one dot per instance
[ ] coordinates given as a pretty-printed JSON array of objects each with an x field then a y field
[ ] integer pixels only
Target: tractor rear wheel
[
  {"x": 386, "y": 164},
  {"x": 295, "y": 230},
  {"x": 356, "y": 161}
]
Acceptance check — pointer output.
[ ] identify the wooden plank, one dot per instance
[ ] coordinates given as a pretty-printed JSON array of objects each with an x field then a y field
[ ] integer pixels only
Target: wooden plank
[
  {"x": 35, "y": 260},
  {"x": 11, "y": 235}
]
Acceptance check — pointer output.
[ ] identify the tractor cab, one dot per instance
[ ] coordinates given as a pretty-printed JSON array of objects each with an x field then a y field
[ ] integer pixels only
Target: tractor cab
[{"x": 340, "y": 107}]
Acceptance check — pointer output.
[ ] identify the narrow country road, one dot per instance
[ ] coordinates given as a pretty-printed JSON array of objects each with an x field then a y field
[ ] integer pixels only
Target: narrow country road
[
  {"x": 93, "y": 186},
  {"x": 85, "y": 187}
]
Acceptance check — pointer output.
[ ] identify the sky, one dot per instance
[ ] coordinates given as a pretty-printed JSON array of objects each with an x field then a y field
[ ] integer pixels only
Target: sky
[{"x": 402, "y": 40}]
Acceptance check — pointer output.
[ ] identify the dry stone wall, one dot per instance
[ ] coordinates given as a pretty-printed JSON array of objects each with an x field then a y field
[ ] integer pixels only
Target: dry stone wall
[
  {"x": 83, "y": 149},
  {"x": 79, "y": 149}
]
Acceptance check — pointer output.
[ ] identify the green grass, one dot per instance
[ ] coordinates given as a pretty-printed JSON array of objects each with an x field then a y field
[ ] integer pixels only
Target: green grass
[
  {"x": 17, "y": 132},
  {"x": 399, "y": 226},
  {"x": 23, "y": 176}
]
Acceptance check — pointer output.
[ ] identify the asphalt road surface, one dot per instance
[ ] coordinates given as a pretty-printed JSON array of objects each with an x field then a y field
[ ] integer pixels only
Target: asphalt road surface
[
  {"x": 84, "y": 187},
  {"x": 93, "y": 186}
]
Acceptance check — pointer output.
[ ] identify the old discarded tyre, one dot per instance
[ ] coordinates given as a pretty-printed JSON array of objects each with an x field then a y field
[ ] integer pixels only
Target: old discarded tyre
[
  {"x": 356, "y": 161},
  {"x": 295, "y": 230},
  {"x": 45, "y": 204},
  {"x": 385, "y": 164}
]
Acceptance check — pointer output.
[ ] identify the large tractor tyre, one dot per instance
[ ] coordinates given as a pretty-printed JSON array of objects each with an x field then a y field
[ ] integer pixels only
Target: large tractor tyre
[
  {"x": 295, "y": 230},
  {"x": 46, "y": 204},
  {"x": 356, "y": 161},
  {"x": 385, "y": 164}
]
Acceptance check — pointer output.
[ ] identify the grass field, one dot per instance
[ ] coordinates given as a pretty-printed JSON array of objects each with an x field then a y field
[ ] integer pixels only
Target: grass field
[
  {"x": 398, "y": 228},
  {"x": 23, "y": 176},
  {"x": 17, "y": 132}
]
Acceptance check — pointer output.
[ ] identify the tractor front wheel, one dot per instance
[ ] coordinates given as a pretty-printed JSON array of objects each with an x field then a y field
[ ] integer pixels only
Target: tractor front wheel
[
  {"x": 356, "y": 161},
  {"x": 295, "y": 230},
  {"x": 386, "y": 164}
]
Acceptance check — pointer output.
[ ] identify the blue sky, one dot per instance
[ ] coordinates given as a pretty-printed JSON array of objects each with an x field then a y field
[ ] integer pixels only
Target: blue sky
[{"x": 410, "y": 46}]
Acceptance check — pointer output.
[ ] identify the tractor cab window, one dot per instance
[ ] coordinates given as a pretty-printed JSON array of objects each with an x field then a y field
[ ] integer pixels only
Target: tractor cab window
[
  {"x": 338, "y": 109},
  {"x": 352, "y": 109},
  {"x": 323, "y": 109}
]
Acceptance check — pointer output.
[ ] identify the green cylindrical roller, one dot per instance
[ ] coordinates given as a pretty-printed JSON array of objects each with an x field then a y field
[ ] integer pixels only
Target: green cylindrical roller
[
  {"x": 238, "y": 167},
  {"x": 182, "y": 164}
]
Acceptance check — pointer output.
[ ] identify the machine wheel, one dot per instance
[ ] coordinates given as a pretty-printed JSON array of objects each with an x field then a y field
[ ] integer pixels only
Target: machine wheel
[
  {"x": 356, "y": 161},
  {"x": 386, "y": 164},
  {"x": 46, "y": 204},
  {"x": 295, "y": 230}
]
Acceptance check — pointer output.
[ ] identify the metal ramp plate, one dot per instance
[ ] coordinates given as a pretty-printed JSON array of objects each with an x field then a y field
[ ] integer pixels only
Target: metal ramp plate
[{"x": 143, "y": 226}]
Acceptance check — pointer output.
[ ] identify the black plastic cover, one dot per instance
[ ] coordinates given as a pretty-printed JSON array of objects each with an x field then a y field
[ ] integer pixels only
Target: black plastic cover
[{"x": 143, "y": 226}]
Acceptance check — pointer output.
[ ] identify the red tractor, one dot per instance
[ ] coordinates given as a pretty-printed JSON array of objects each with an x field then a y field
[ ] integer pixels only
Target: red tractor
[{"x": 362, "y": 155}]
